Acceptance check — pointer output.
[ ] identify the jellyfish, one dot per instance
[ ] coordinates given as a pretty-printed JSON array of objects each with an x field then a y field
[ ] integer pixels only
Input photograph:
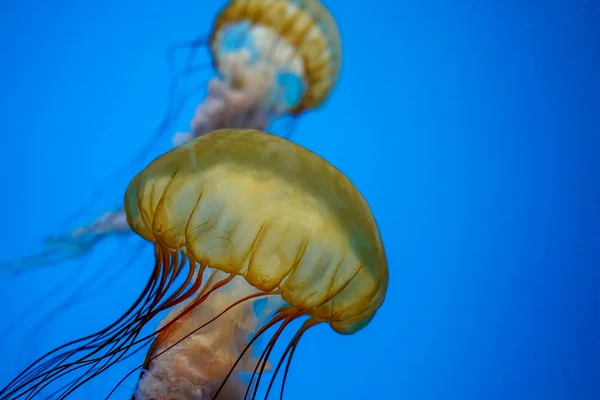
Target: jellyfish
[
  {"x": 251, "y": 232},
  {"x": 273, "y": 59}
]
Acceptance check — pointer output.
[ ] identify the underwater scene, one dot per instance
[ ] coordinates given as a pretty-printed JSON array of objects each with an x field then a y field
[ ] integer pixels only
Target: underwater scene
[{"x": 300, "y": 199}]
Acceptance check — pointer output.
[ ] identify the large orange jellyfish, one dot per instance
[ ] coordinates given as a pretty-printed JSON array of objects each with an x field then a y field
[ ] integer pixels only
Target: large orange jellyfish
[
  {"x": 274, "y": 58},
  {"x": 239, "y": 216}
]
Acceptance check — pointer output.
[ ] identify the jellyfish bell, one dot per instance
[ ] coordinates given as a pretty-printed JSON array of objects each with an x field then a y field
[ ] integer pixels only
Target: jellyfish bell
[
  {"x": 297, "y": 41},
  {"x": 270, "y": 212},
  {"x": 239, "y": 215},
  {"x": 274, "y": 57}
]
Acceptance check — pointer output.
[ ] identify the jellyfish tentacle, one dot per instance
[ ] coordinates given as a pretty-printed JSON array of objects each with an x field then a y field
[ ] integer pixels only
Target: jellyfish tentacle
[
  {"x": 152, "y": 355},
  {"x": 118, "y": 348},
  {"x": 66, "y": 247},
  {"x": 57, "y": 251},
  {"x": 282, "y": 315},
  {"x": 71, "y": 299},
  {"x": 279, "y": 364},
  {"x": 293, "y": 345},
  {"x": 25, "y": 378},
  {"x": 264, "y": 357},
  {"x": 31, "y": 370},
  {"x": 60, "y": 370}
]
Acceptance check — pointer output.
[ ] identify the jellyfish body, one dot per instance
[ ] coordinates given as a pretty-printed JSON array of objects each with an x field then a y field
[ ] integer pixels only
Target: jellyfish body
[
  {"x": 250, "y": 216},
  {"x": 272, "y": 57},
  {"x": 268, "y": 210}
]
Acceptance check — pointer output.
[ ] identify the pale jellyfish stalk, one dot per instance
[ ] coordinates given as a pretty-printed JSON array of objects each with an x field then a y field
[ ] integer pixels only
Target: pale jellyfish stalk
[
  {"x": 196, "y": 361},
  {"x": 261, "y": 79}
]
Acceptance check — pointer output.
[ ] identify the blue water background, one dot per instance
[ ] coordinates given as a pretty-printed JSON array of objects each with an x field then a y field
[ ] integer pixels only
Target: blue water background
[{"x": 472, "y": 128}]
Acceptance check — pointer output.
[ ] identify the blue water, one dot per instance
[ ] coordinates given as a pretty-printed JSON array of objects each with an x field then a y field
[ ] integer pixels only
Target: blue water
[{"x": 470, "y": 126}]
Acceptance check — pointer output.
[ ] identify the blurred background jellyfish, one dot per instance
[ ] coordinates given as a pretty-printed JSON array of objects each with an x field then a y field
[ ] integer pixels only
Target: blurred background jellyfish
[
  {"x": 276, "y": 58},
  {"x": 272, "y": 59},
  {"x": 236, "y": 217}
]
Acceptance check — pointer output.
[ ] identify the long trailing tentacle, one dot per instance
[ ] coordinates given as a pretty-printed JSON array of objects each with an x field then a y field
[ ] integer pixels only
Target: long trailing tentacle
[
  {"x": 111, "y": 357},
  {"x": 264, "y": 357},
  {"x": 280, "y": 316},
  {"x": 48, "y": 295},
  {"x": 121, "y": 338},
  {"x": 57, "y": 250},
  {"x": 286, "y": 316},
  {"x": 187, "y": 309},
  {"x": 152, "y": 355},
  {"x": 96, "y": 282},
  {"x": 149, "y": 288},
  {"x": 290, "y": 349},
  {"x": 40, "y": 369}
]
